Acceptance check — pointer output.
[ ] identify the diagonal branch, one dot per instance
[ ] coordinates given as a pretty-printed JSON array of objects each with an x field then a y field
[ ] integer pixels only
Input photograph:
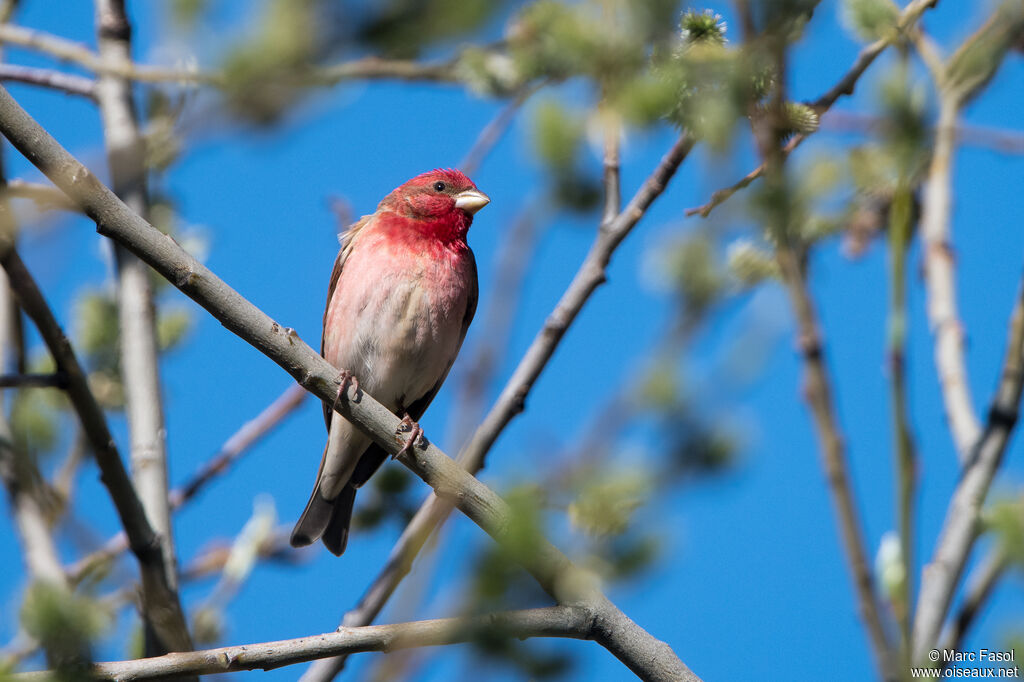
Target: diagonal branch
[
  {"x": 557, "y": 621},
  {"x": 646, "y": 656},
  {"x": 960, "y": 529},
  {"x": 511, "y": 402}
]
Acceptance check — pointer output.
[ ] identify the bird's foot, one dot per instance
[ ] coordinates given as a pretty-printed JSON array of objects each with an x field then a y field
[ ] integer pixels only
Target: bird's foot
[
  {"x": 345, "y": 379},
  {"x": 415, "y": 436}
]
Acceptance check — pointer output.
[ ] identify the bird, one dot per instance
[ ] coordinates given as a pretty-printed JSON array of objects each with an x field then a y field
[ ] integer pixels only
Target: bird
[{"x": 401, "y": 297}]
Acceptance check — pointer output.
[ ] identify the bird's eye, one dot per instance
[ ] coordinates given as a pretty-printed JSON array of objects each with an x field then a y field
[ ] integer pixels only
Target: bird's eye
[{"x": 440, "y": 186}]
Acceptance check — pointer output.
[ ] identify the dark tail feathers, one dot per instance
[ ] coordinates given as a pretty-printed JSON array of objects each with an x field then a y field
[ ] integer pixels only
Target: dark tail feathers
[{"x": 325, "y": 519}]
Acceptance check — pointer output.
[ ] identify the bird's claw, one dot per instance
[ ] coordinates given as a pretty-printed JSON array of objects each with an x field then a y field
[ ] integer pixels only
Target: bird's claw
[
  {"x": 415, "y": 436},
  {"x": 345, "y": 379}
]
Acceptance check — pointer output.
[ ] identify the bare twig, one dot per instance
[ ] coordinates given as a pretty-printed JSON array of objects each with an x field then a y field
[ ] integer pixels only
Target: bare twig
[
  {"x": 512, "y": 399},
  {"x": 558, "y": 621},
  {"x": 142, "y": 539},
  {"x": 67, "y": 83},
  {"x": 233, "y": 448},
  {"x": 960, "y": 528},
  {"x": 637, "y": 649},
  {"x": 908, "y": 17}
]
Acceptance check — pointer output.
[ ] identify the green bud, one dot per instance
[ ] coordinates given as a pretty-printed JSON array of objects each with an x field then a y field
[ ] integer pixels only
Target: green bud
[
  {"x": 871, "y": 20},
  {"x": 750, "y": 265}
]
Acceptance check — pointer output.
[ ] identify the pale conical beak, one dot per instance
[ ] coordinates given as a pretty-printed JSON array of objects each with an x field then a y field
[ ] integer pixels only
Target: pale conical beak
[{"x": 471, "y": 200}]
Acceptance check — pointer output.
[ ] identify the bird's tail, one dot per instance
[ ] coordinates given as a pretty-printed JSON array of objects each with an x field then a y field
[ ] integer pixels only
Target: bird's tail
[{"x": 325, "y": 519}]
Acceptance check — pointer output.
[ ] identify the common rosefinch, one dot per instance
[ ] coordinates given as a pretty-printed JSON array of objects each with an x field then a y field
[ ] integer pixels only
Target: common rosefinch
[{"x": 401, "y": 297}]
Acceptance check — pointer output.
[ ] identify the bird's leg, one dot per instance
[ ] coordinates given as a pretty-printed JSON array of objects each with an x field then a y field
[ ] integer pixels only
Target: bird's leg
[
  {"x": 345, "y": 379},
  {"x": 415, "y": 435}
]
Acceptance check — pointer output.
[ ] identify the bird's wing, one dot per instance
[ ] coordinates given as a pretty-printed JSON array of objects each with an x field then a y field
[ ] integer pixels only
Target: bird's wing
[
  {"x": 346, "y": 238},
  {"x": 375, "y": 455}
]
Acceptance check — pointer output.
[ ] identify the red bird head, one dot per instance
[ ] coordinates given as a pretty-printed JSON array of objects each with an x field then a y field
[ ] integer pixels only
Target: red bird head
[{"x": 441, "y": 202}]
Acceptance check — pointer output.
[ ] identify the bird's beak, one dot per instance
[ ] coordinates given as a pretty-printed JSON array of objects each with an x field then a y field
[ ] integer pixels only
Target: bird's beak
[{"x": 471, "y": 200}]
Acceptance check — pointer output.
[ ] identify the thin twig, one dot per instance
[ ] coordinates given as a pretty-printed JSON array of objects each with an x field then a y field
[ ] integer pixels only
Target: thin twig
[
  {"x": 648, "y": 657},
  {"x": 511, "y": 402},
  {"x": 559, "y": 621},
  {"x": 960, "y": 528},
  {"x": 68, "y": 83},
  {"x": 233, "y": 448}
]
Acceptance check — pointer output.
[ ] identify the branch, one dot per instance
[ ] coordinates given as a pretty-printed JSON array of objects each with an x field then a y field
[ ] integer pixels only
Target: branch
[
  {"x": 791, "y": 257},
  {"x": 512, "y": 399},
  {"x": 900, "y": 230},
  {"x": 911, "y": 13},
  {"x": 366, "y": 68},
  {"x": 940, "y": 281},
  {"x": 980, "y": 585},
  {"x": 642, "y": 653},
  {"x": 960, "y": 528},
  {"x": 142, "y": 539},
  {"x": 136, "y": 309},
  {"x": 68, "y": 83},
  {"x": 239, "y": 442},
  {"x": 44, "y": 196},
  {"x": 908, "y": 17},
  {"x": 56, "y": 380},
  {"x": 559, "y": 621}
]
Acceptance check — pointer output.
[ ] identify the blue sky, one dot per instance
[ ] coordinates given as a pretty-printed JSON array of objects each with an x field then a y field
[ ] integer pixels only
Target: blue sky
[{"x": 753, "y": 578}]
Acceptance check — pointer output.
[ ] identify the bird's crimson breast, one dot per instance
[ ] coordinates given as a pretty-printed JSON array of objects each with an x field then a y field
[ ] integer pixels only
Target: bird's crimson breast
[{"x": 396, "y": 317}]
